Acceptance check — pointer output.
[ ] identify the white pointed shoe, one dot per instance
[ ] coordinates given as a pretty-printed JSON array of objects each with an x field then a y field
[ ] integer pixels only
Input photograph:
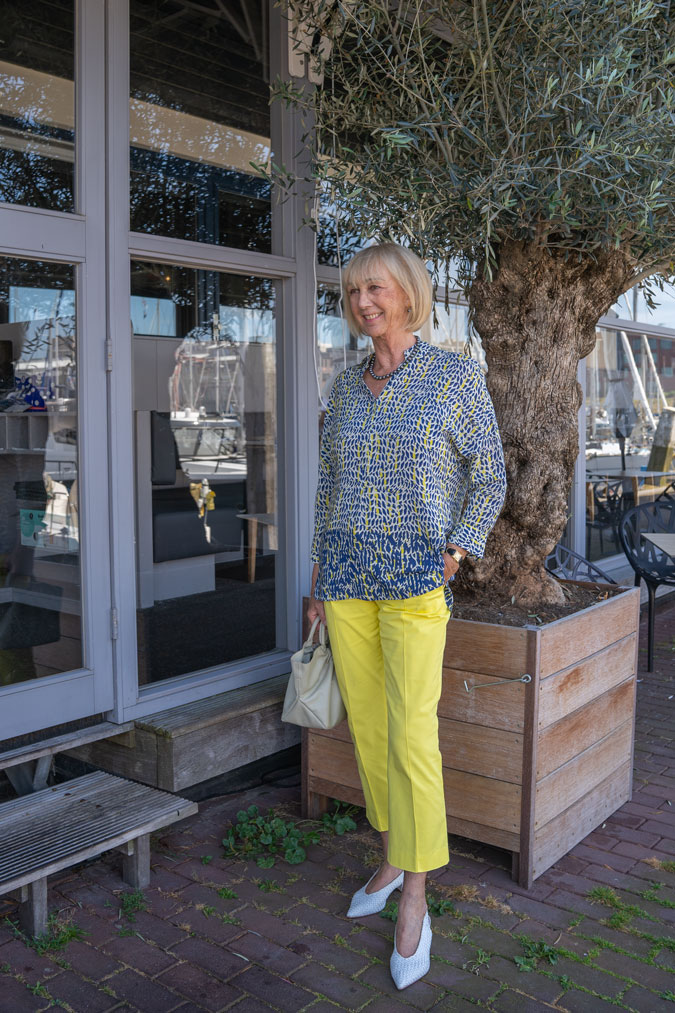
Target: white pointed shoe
[
  {"x": 406, "y": 970},
  {"x": 370, "y": 903}
]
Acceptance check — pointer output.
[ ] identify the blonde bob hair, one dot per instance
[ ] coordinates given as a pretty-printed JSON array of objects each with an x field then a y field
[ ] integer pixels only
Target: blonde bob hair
[{"x": 404, "y": 266}]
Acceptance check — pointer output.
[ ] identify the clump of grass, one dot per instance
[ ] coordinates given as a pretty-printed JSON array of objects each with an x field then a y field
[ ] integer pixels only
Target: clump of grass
[
  {"x": 227, "y": 893},
  {"x": 622, "y": 913},
  {"x": 270, "y": 886},
  {"x": 390, "y": 912},
  {"x": 132, "y": 902},
  {"x": 60, "y": 931},
  {"x": 535, "y": 950}
]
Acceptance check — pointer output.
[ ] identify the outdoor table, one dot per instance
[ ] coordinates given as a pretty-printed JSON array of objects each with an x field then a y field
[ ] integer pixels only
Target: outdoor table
[
  {"x": 665, "y": 542},
  {"x": 253, "y": 521},
  {"x": 632, "y": 474}
]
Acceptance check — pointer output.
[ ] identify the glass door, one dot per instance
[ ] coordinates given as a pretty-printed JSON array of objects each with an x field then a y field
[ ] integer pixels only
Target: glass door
[{"x": 55, "y": 603}]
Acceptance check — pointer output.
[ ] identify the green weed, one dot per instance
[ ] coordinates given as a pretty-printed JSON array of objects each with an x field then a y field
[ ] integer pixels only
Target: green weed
[
  {"x": 265, "y": 838},
  {"x": 132, "y": 902},
  {"x": 227, "y": 893}
]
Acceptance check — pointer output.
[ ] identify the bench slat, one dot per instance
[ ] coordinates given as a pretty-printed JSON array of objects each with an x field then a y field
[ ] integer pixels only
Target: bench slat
[{"x": 57, "y": 827}]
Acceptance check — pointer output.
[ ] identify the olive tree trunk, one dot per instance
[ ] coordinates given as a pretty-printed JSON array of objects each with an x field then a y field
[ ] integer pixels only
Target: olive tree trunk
[{"x": 536, "y": 318}]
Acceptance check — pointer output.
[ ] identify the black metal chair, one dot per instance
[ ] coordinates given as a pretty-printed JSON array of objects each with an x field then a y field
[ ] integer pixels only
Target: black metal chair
[
  {"x": 650, "y": 564},
  {"x": 569, "y": 565},
  {"x": 604, "y": 511}
]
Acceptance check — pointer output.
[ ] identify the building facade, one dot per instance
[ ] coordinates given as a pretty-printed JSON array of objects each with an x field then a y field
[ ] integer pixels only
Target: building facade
[{"x": 168, "y": 330}]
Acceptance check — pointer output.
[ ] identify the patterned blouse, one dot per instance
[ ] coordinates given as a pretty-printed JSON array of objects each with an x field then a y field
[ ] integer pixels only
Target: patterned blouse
[{"x": 403, "y": 474}]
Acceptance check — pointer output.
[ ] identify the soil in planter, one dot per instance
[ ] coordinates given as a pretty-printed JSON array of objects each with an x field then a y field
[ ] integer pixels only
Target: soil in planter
[{"x": 506, "y": 613}]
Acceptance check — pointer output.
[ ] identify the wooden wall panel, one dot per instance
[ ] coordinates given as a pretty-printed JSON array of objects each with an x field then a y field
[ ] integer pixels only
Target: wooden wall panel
[
  {"x": 559, "y": 742},
  {"x": 562, "y": 788},
  {"x": 594, "y": 629},
  {"x": 499, "y": 706},
  {"x": 493, "y": 753},
  {"x": 555, "y": 839},
  {"x": 485, "y": 647},
  {"x": 564, "y": 692}
]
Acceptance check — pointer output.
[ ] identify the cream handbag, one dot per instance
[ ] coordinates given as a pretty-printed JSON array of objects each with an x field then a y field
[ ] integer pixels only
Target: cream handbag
[{"x": 313, "y": 697}]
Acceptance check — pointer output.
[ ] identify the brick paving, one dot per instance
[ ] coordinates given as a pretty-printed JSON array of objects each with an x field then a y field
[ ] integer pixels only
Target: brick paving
[{"x": 289, "y": 946}]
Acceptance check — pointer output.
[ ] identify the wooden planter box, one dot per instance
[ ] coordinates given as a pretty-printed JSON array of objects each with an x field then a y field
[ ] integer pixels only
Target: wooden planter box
[{"x": 530, "y": 767}]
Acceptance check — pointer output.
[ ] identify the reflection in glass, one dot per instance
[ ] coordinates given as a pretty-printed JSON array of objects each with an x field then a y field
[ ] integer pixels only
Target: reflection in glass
[
  {"x": 39, "y": 515},
  {"x": 199, "y": 117},
  {"x": 37, "y": 104},
  {"x": 630, "y": 389},
  {"x": 205, "y": 421}
]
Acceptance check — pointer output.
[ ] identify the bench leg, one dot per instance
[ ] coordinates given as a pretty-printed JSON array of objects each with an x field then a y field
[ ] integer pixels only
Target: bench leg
[
  {"x": 31, "y": 776},
  {"x": 33, "y": 908},
  {"x": 136, "y": 862}
]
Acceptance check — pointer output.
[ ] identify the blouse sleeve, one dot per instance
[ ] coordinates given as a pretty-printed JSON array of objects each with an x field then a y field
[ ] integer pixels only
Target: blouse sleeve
[
  {"x": 324, "y": 490},
  {"x": 474, "y": 431}
]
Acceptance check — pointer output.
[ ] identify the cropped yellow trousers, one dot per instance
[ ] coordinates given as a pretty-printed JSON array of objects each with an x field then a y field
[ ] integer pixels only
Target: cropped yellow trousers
[{"x": 388, "y": 660}]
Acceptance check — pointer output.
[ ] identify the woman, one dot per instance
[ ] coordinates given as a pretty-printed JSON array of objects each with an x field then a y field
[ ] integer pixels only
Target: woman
[{"x": 411, "y": 480}]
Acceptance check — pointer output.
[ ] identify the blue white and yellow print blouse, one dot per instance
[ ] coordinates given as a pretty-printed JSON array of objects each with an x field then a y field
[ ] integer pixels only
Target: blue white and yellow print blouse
[{"x": 403, "y": 474}]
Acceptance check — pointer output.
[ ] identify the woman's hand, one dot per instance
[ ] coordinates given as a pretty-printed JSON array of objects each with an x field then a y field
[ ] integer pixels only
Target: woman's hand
[
  {"x": 450, "y": 565},
  {"x": 314, "y": 609}
]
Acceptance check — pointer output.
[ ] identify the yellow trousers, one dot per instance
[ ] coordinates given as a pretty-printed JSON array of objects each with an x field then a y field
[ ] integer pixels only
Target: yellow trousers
[{"x": 388, "y": 659}]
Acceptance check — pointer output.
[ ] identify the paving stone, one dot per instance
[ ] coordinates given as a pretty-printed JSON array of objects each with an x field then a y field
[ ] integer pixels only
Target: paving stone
[
  {"x": 624, "y": 940},
  {"x": 593, "y": 978},
  {"x": 249, "y": 1005},
  {"x": 321, "y": 921},
  {"x": 644, "y": 1001},
  {"x": 656, "y": 978},
  {"x": 284, "y": 995},
  {"x": 451, "y": 1004},
  {"x": 340, "y": 988},
  {"x": 27, "y": 963},
  {"x": 90, "y": 960},
  {"x": 80, "y": 994},
  {"x": 159, "y": 931},
  {"x": 145, "y": 994},
  {"x": 260, "y": 950},
  {"x": 97, "y": 930},
  {"x": 514, "y": 1002},
  {"x": 200, "y": 987},
  {"x": 545, "y": 913},
  {"x": 421, "y": 995},
  {"x": 279, "y": 929},
  {"x": 337, "y": 957},
  {"x": 455, "y": 979},
  {"x": 606, "y": 858},
  {"x": 140, "y": 955},
  {"x": 506, "y": 972},
  {"x": 217, "y": 960},
  {"x": 585, "y": 1002},
  {"x": 502, "y": 878},
  {"x": 375, "y": 945},
  {"x": 501, "y": 943},
  {"x": 209, "y": 926}
]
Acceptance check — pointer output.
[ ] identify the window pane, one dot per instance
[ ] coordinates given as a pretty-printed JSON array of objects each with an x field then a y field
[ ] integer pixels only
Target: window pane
[
  {"x": 37, "y": 112},
  {"x": 39, "y": 527},
  {"x": 629, "y": 382},
  {"x": 199, "y": 117},
  {"x": 205, "y": 422}
]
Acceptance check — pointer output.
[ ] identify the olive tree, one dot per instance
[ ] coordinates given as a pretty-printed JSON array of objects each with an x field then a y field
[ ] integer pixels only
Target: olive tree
[{"x": 526, "y": 149}]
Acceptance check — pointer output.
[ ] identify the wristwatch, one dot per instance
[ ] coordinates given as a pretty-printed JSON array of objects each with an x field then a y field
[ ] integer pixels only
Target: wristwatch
[{"x": 456, "y": 554}]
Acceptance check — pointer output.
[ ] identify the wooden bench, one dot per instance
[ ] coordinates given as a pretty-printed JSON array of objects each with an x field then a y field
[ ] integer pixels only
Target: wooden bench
[{"x": 58, "y": 827}]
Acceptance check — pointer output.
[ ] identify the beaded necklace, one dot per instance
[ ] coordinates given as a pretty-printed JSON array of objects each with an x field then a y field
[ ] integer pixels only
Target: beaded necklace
[{"x": 385, "y": 376}]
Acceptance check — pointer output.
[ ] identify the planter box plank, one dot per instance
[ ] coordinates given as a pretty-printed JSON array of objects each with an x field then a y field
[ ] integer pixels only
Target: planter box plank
[
  {"x": 528, "y": 767},
  {"x": 571, "y": 688},
  {"x": 497, "y": 753},
  {"x": 560, "y": 789},
  {"x": 557, "y": 837},
  {"x": 479, "y": 832},
  {"x": 498, "y": 707},
  {"x": 334, "y": 761},
  {"x": 482, "y": 800},
  {"x": 594, "y": 629},
  {"x": 340, "y": 731},
  {"x": 577, "y": 731},
  {"x": 491, "y": 650}
]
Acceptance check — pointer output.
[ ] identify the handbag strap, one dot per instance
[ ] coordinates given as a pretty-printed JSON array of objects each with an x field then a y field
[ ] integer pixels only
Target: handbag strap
[{"x": 322, "y": 633}]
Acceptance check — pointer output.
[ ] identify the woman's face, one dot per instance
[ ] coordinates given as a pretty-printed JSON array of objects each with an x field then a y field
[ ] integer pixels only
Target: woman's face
[{"x": 379, "y": 304}]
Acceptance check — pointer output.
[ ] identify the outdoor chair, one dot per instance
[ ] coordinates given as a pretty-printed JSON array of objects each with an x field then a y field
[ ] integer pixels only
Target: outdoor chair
[
  {"x": 569, "y": 565},
  {"x": 650, "y": 563},
  {"x": 605, "y": 506}
]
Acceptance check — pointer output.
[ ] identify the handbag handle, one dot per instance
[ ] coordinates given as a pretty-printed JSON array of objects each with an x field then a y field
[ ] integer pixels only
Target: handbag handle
[{"x": 322, "y": 633}]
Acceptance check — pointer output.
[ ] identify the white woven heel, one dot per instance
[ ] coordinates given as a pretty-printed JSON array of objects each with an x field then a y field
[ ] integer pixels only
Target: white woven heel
[
  {"x": 370, "y": 903},
  {"x": 406, "y": 970}
]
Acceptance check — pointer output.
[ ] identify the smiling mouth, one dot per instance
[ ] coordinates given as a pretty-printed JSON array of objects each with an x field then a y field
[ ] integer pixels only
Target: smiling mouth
[{"x": 371, "y": 317}]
